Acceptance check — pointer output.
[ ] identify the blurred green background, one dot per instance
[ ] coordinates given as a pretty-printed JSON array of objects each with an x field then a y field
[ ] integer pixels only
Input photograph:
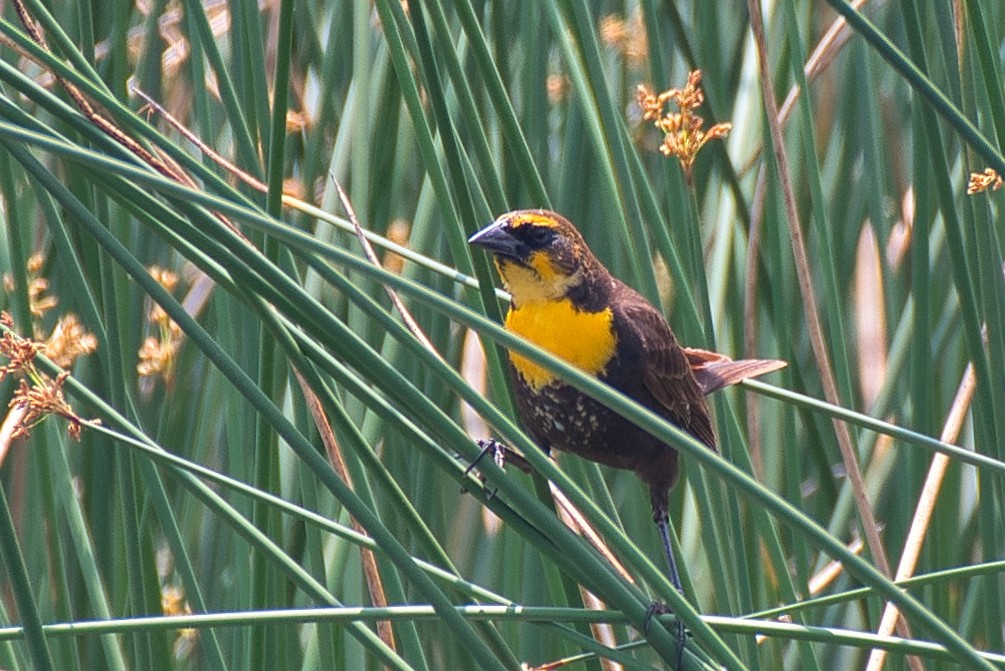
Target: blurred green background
[{"x": 436, "y": 117}]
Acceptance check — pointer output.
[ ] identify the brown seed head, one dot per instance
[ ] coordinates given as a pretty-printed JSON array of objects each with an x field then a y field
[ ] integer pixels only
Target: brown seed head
[
  {"x": 683, "y": 136},
  {"x": 982, "y": 181}
]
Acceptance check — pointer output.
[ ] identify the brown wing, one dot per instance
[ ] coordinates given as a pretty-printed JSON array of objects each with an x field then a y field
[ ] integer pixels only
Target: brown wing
[
  {"x": 713, "y": 371},
  {"x": 666, "y": 370}
]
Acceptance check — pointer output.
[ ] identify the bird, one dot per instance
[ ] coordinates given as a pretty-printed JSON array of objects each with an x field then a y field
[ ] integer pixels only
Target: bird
[{"x": 564, "y": 300}]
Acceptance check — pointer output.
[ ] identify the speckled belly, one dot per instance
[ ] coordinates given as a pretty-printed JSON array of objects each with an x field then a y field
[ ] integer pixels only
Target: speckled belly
[{"x": 561, "y": 417}]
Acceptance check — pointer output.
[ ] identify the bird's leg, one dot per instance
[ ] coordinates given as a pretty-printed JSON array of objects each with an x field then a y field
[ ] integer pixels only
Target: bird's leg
[
  {"x": 664, "y": 529},
  {"x": 663, "y": 525}
]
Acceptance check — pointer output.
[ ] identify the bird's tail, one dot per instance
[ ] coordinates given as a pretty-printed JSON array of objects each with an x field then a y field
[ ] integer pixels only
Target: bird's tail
[{"x": 713, "y": 371}]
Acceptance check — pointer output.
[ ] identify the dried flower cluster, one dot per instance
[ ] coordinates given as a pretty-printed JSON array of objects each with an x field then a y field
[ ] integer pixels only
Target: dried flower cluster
[
  {"x": 38, "y": 396},
  {"x": 173, "y": 603},
  {"x": 398, "y": 232},
  {"x": 627, "y": 36},
  {"x": 158, "y": 353},
  {"x": 37, "y": 286},
  {"x": 69, "y": 340},
  {"x": 683, "y": 136},
  {"x": 557, "y": 86},
  {"x": 982, "y": 181}
]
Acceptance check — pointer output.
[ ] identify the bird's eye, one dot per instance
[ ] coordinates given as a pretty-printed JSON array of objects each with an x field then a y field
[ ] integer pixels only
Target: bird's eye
[{"x": 539, "y": 236}]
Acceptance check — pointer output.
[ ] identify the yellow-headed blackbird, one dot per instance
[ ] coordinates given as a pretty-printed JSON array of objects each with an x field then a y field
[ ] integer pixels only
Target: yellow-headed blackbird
[{"x": 566, "y": 301}]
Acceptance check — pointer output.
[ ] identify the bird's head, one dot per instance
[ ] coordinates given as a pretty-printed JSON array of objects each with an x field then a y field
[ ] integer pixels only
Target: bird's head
[{"x": 539, "y": 254}]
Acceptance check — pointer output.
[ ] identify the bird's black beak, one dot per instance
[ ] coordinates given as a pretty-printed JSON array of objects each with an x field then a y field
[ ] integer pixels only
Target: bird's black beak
[{"x": 497, "y": 239}]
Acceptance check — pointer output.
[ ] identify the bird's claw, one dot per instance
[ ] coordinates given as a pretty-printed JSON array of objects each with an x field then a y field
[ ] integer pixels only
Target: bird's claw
[
  {"x": 501, "y": 454},
  {"x": 654, "y": 609},
  {"x": 660, "y": 608},
  {"x": 489, "y": 446}
]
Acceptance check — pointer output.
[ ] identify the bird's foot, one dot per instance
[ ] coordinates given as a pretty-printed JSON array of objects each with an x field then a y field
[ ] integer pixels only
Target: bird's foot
[
  {"x": 660, "y": 608},
  {"x": 501, "y": 454}
]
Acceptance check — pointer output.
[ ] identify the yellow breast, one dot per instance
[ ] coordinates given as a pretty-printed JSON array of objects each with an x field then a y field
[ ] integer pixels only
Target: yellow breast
[{"x": 584, "y": 339}]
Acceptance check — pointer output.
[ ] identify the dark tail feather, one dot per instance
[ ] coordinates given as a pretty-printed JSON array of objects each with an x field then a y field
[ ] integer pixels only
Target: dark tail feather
[{"x": 715, "y": 371}]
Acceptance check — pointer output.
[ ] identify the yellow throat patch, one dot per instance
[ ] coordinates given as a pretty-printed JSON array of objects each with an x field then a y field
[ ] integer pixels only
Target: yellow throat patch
[
  {"x": 584, "y": 339},
  {"x": 537, "y": 281}
]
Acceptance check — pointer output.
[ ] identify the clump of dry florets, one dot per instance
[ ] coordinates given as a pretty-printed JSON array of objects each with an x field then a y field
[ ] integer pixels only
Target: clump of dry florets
[
  {"x": 38, "y": 395},
  {"x": 627, "y": 36},
  {"x": 38, "y": 302},
  {"x": 69, "y": 340},
  {"x": 173, "y": 603},
  {"x": 158, "y": 352},
  {"x": 982, "y": 181},
  {"x": 683, "y": 136}
]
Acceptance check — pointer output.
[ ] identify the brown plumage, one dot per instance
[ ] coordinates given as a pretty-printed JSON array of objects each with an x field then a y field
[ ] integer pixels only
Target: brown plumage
[
  {"x": 648, "y": 366},
  {"x": 544, "y": 262},
  {"x": 567, "y": 302}
]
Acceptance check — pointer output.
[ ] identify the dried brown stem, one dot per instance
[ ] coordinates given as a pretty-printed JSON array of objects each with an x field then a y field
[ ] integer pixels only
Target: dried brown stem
[
  {"x": 823, "y": 55},
  {"x": 371, "y": 256},
  {"x": 926, "y": 506},
  {"x": 87, "y": 109},
  {"x": 164, "y": 166},
  {"x": 370, "y": 571},
  {"x": 572, "y": 518},
  {"x": 217, "y": 158},
  {"x": 806, "y": 291},
  {"x": 750, "y": 319}
]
